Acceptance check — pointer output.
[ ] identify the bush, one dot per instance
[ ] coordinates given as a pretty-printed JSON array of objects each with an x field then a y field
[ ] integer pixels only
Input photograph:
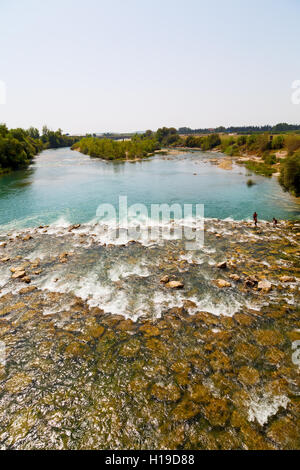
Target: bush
[
  {"x": 259, "y": 168},
  {"x": 269, "y": 159},
  {"x": 290, "y": 174},
  {"x": 292, "y": 143}
]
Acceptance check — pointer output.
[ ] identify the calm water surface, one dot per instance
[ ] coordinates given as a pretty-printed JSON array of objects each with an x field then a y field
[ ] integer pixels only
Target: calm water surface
[{"x": 62, "y": 184}]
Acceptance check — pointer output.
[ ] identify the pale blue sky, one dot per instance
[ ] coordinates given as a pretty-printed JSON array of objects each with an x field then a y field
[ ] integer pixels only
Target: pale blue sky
[{"x": 125, "y": 65}]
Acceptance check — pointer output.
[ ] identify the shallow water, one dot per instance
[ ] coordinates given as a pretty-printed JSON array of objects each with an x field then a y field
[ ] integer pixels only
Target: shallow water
[
  {"x": 68, "y": 186},
  {"x": 100, "y": 354}
]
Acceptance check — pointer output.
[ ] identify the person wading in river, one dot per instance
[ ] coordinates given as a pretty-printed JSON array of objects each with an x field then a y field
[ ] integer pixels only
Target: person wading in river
[{"x": 255, "y": 218}]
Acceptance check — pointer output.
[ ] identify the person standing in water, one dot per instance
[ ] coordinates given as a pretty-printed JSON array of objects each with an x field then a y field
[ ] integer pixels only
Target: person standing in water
[
  {"x": 275, "y": 222},
  {"x": 255, "y": 218}
]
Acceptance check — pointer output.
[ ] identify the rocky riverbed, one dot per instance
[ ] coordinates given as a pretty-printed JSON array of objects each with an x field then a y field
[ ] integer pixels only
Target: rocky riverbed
[{"x": 139, "y": 345}]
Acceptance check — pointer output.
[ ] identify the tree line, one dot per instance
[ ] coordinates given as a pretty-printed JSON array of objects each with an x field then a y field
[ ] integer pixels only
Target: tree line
[
  {"x": 140, "y": 146},
  {"x": 18, "y": 146},
  {"x": 278, "y": 128}
]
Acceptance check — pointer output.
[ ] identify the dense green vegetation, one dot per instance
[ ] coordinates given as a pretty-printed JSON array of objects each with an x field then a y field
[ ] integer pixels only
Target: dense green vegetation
[
  {"x": 108, "y": 149},
  {"x": 204, "y": 143},
  {"x": 18, "y": 146},
  {"x": 259, "y": 168},
  {"x": 279, "y": 128},
  {"x": 290, "y": 174}
]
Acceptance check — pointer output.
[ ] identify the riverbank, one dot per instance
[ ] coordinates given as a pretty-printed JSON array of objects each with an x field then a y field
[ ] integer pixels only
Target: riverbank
[{"x": 103, "y": 354}]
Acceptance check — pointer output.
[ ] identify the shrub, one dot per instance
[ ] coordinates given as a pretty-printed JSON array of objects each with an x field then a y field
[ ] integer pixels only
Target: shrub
[{"x": 290, "y": 174}]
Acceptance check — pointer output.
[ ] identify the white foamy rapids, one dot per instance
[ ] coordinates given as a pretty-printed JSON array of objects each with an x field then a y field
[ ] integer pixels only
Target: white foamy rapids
[
  {"x": 261, "y": 409},
  {"x": 121, "y": 271},
  {"x": 145, "y": 230},
  {"x": 128, "y": 302},
  {"x": 4, "y": 279},
  {"x": 192, "y": 258}
]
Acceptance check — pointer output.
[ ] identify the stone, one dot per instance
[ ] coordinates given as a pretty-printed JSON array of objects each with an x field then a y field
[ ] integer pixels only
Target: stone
[
  {"x": 234, "y": 277},
  {"x": 287, "y": 279},
  {"x": 74, "y": 227},
  {"x": 246, "y": 352},
  {"x": 26, "y": 279},
  {"x": 126, "y": 325},
  {"x": 76, "y": 349},
  {"x": 18, "y": 382},
  {"x": 4, "y": 260},
  {"x": 185, "y": 410},
  {"x": 26, "y": 238},
  {"x": 251, "y": 282},
  {"x": 268, "y": 337},
  {"x": 217, "y": 412},
  {"x": 189, "y": 305},
  {"x": 264, "y": 286},
  {"x": 243, "y": 319},
  {"x": 274, "y": 356},
  {"x": 174, "y": 285},
  {"x": 169, "y": 393},
  {"x": 18, "y": 274},
  {"x": 222, "y": 265},
  {"x": 220, "y": 361},
  {"x": 285, "y": 433},
  {"x": 199, "y": 393},
  {"x": 130, "y": 349},
  {"x": 165, "y": 279},
  {"x": 221, "y": 283},
  {"x": 248, "y": 376},
  {"x": 149, "y": 330}
]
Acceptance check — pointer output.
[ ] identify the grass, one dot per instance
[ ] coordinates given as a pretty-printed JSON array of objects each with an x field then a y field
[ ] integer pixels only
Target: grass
[{"x": 260, "y": 168}]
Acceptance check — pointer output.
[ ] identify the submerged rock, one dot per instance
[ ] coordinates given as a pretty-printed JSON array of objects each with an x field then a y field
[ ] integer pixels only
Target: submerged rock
[
  {"x": 287, "y": 279},
  {"x": 165, "y": 279},
  {"x": 221, "y": 283},
  {"x": 217, "y": 412},
  {"x": 265, "y": 286},
  {"x": 18, "y": 382},
  {"x": 185, "y": 410},
  {"x": 168, "y": 392},
  {"x": 248, "y": 376}
]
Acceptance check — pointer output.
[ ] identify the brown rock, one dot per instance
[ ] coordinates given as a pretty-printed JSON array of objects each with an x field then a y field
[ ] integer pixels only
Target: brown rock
[
  {"x": 287, "y": 279},
  {"x": 18, "y": 274},
  {"x": 26, "y": 238},
  {"x": 264, "y": 286},
  {"x": 248, "y": 376},
  {"x": 221, "y": 283},
  {"x": 168, "y": 392},
  {"x": 217, "y": 412},
  {"x": 174, "y": 285},
  {"x": 185, "y": 410},
  {"x": 165, "y": 279},
  {"x": 251, "y": 282},
  {"x": 222, "y": 265},
  {"x": 27, "y": 290}
]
